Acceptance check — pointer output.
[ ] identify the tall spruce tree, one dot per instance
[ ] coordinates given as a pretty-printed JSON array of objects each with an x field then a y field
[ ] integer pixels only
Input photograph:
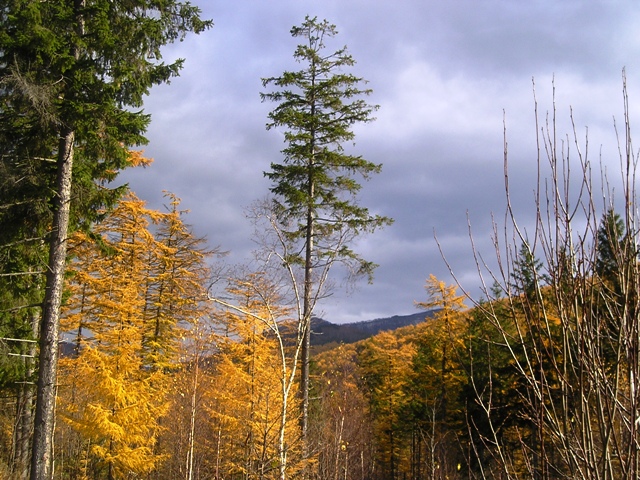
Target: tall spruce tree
[
  {"x": 316, "y": 184},
  {"x": 611, "y": 244},
  {"x": 84, "y": 67}
]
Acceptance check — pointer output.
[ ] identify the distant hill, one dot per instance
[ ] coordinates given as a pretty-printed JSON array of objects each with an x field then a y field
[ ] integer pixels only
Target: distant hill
[
  {"x": 324, "y": 332},
  {"x": 326, "y": 335}
]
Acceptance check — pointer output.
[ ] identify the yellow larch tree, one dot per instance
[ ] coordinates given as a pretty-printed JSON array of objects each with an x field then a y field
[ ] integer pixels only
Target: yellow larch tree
[
  {"x": 254, "y": 406},
  {"x": 188, "y": 431},
  {"x": 114, "y": 389},
  {"x": 437, "y": 379},
  {"x": 385, "y": 368},
  {"x": 175, "y": 286},
  {"x": 341, "y": 422}
]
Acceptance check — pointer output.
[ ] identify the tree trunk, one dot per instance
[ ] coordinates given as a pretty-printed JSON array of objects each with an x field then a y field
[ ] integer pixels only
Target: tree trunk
[
  {"x": 192, "y": 418},
  {"x": 42, "y": 447},
  {"x": 307, "y": 311},
  {"x": 24, "y": 417}
]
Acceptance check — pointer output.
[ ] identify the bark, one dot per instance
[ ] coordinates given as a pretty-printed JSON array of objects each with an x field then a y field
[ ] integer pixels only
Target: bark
[
  {"x": 42, "y": 447},
  {"x": 192, "y": 419},
  {"x": 25, "y": 412},
  {"x": 307, "y": 310}
]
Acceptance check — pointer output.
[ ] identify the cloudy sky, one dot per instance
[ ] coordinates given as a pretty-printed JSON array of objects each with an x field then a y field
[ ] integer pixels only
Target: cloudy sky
[{"x": 445, "y": 74}]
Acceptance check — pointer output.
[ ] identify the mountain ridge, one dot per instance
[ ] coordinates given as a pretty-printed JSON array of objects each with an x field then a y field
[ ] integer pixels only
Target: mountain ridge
[{"x": 324, "y": 332}]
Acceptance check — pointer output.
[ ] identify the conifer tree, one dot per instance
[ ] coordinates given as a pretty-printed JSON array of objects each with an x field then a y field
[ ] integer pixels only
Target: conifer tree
[
  {"x": 117, "y": 386},
  {"x": 175, "y": 285},
  {"x": 121, "y": 400},
  {"x": 257, "y": 368},
  {"x": 437, "y": 377},
  {"x": 385, "y": 366},
  {"x": 315, "y": 186},
  {"x": 84, "y": 67}
]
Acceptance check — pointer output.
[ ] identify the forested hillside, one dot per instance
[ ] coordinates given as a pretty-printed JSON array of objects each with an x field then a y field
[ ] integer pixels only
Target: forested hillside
[{"x": 326, "y": 334}]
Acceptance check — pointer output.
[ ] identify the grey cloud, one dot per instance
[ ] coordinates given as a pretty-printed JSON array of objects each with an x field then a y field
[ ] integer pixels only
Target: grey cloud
[{"x": 443, "y": 73}]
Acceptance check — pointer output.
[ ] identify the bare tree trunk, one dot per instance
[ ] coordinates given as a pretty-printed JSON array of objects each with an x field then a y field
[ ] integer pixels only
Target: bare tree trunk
[
  {"x": 25, "y": 411},
  {"x": 192, "y": 419},
  {"x": 307, "y": 310},
  {"x": 42, "y": 447}
]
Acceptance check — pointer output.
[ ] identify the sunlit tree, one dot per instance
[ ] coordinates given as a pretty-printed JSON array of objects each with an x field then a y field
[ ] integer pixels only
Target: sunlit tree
[
  {"x": 385, "y": 366},
  {"x": 256, "y": 406},
  {"x": 74, "y": 75},
  {"x": 111, "y": 314},
  {"x": 316, "y": 184},
  {"x": 436, "y": 381},
  {"x": 341, "y": 422}
]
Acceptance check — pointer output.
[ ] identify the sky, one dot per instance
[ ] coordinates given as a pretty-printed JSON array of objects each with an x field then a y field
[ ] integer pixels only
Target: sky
[{"x": 450, "y": 78}]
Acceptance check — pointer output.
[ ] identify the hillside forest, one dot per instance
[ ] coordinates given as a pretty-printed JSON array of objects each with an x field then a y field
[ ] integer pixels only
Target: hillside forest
[{"x": 130, "y": 350}]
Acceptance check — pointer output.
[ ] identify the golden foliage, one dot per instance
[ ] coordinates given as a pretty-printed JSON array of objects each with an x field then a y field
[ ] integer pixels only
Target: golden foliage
[{"x": 134, "y": 286}]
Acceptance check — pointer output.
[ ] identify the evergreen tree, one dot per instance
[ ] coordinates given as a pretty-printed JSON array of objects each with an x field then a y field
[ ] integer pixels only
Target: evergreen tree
[
  {"x": 316, "y": 184},
  {"x": 85, "y": 67},
  {"x": 613, "y": 249},
  {"x": 527, "y": 276}
]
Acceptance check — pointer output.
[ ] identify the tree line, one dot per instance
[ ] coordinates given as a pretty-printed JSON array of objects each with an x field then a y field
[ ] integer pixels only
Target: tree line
[{"x": 509, "y": 388}]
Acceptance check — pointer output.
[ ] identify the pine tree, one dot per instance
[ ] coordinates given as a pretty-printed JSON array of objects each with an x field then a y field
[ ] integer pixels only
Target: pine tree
[
  {"x": 315, "y": 185},
  {"x": 84, "y": 67}
]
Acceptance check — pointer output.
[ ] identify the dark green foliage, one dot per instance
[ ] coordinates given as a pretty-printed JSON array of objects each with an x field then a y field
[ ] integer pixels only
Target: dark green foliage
[
  {"x": 84, "y": 66},
  {"x": 617, "y": 293},
  {"x": 614, "y": 249},
  {"x": 315, "y": 187},
  {"x": 610, "y": 239},
  {"x": 73, "y": 65},
  {"x": 492, "y": 396},
  {"x": 80, "y": 65},
  {"x": 317, "y": 107},
  {"x": 527, "y": 276},
  {"x": 73, "y": 75}
]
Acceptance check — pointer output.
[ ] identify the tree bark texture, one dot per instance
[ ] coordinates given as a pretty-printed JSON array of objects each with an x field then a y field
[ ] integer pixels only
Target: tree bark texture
[{"x": 42, "y": 447}]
